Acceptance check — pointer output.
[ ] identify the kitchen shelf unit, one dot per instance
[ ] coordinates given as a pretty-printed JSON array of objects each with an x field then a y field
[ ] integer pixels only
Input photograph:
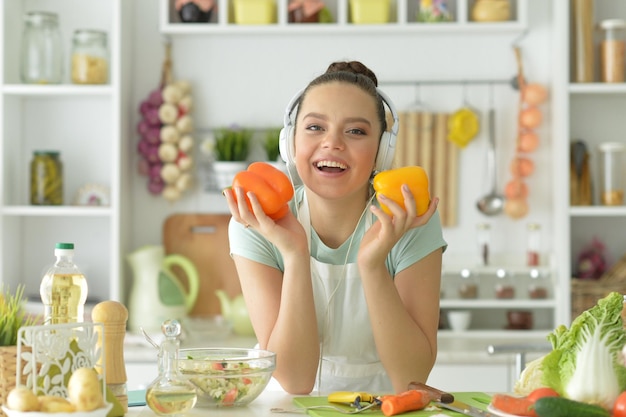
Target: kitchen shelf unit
[
  {"x": 92, "y": 149},
  {"x": 402, "y": 20},
  {"x": 489, "y": 313},
  {"x": 592, "y": 112}
]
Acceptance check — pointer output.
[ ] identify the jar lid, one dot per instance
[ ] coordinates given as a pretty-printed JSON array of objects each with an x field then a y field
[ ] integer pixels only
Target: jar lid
[
  {"x": 613, "y": 24},
  {"x": 86, "y": 35},
  {"x": 46, "y": 153},
  {"x": 41, "y": 17},
  {"x": 611, "y": 146}
]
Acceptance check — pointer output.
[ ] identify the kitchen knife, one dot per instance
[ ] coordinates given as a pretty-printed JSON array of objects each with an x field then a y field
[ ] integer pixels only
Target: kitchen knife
[
  {"x": 463, "y": 408},
  {"x": 436, "y": 395}
]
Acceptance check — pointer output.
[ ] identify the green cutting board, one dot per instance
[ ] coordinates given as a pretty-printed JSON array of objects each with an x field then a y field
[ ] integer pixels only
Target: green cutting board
[{"x": 477, "y": 399}]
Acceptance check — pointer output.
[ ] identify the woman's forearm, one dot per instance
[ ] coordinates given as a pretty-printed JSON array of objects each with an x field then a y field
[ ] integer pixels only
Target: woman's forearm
[
  {"x": 294, "y": 337},
  {"x": 405, "y": 336}
]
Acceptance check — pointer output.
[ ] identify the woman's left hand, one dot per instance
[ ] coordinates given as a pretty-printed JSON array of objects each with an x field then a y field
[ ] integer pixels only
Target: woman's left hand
[{"x": 387, "y": 231}]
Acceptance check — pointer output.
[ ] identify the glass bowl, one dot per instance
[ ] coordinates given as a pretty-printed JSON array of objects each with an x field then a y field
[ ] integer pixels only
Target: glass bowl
[{"x": 227, "y": 377}]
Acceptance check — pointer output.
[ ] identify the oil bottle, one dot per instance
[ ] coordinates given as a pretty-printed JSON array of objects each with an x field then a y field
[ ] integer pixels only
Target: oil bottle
[
  {"x": 170, "y": 393},
  {"x": 63, "y": 288}
]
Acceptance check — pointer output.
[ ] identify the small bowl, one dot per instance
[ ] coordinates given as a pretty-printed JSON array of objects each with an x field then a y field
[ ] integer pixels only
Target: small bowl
[
  {"x": 459, "y": 320},
  {"x": 519, "y": 320},
  {"x": 227, "y": 377}
]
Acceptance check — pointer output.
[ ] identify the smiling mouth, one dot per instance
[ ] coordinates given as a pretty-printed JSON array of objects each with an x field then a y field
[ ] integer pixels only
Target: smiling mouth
[{"x": 330, "y": 166}]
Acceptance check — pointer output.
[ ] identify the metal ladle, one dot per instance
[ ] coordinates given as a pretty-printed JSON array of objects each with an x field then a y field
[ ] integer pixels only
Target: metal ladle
[{"x": 492, "y": 203}]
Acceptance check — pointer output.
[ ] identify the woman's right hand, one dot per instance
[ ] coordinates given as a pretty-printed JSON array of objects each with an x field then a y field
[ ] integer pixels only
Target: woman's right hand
[{"x": 287, "y": 234}]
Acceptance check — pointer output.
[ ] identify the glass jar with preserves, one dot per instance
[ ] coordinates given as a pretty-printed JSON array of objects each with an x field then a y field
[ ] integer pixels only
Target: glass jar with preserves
[
  {"x": 46, "y": 179},
  {"x": 90, "y": 61},
  {"x": 539, "y": 284},
  {"x": 42, "y": 51},
  {"x": 504, "y": 287},
  {"x": 468, "y": 287}
]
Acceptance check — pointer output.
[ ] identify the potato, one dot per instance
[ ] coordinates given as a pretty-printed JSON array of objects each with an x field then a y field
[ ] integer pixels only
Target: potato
[
  {"x": 84, "y": 390},
  {"x": 52, "y": 404},
  {"x": 21, "y": 398}
]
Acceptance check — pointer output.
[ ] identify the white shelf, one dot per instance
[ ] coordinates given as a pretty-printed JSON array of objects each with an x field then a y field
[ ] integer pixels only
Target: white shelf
[
  {"x": 56, "y": 211},
  {"x": 597, "y": 211},
  {"x": 494, "y": 334},
  {"x": 56, "y": 90},
  {"x": 597, "y": 88},
  {"x": 88, "y": 125},
  {"x": 335, "y": 28},
  {"x": 481, "y": 303}
]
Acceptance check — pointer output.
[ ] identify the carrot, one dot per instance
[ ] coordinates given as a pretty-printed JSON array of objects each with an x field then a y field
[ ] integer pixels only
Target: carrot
[
  {"x": 519, "y": 406},
  {"x": 411, "y": 400}
]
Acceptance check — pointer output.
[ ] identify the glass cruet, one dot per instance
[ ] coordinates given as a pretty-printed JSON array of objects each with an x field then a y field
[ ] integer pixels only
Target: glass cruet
[{"x": 170, "y": 393}]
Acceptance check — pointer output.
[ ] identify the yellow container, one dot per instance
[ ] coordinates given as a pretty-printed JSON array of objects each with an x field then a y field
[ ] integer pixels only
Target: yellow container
[
  {"x": 369, "y": 11},
  {"x": 255, "y": 12}
]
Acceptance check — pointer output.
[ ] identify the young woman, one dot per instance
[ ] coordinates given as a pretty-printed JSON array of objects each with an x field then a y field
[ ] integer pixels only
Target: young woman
[{"x": 347, "y": 296}]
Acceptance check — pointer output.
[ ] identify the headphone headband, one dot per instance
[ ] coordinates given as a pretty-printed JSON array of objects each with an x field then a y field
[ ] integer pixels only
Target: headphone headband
[{"x": 386, "y": 148}]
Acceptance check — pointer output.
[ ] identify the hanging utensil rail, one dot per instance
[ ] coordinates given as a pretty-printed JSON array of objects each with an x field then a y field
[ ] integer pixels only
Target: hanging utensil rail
[{"x": 446, "y": 82}]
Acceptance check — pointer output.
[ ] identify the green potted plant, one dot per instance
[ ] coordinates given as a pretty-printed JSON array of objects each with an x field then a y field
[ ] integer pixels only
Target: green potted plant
[
  {"x": 270, "y": 144},
  {"x": 231, "y": 150},
  {"x": 272, "y": 148},
  {"x": 12, "y": 318}
]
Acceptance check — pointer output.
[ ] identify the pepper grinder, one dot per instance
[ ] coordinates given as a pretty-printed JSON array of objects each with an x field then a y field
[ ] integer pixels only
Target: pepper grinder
[{"x": 113, "y": 315}]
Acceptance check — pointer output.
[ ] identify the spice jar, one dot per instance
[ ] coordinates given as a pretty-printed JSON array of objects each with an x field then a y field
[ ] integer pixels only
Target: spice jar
[
  {"x": 612, "y": 173},
  {"x": 504, "y": 285},
  {"x": 467, "y": 285},
  {"x": 46, "y": 179},
  {"x": 89, "y": 57},
  {"x": 483, "y": 237},
  {"x": 41, "y": 59},
  {"x": 612, "y": 50},
  {"x": 533, "y": 239},
  {"x": 538, "y": 286}
]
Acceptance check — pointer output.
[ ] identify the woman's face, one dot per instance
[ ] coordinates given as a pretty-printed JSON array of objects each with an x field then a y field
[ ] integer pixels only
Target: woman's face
[{"x": 336, "y": 139}]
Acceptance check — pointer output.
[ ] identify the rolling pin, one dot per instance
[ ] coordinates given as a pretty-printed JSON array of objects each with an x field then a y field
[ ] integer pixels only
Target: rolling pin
[{"x": 113, "y": 315}]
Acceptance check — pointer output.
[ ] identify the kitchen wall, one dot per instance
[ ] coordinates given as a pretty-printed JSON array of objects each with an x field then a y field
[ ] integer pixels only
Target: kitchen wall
[{"x": 248, "y": 79}]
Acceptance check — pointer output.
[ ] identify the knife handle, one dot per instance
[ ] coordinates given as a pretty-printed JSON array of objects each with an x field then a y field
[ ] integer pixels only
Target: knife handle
[{"x": 437, "y": 395}]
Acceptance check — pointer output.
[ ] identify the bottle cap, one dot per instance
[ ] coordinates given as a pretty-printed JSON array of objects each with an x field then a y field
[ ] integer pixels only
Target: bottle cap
[{"x": 64, "y": 246}]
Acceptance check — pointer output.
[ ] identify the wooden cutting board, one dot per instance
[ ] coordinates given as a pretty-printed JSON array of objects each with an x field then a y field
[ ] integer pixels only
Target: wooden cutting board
[
  {"x": 476, "y": 399},
  {"x": 203, "y": 239}
]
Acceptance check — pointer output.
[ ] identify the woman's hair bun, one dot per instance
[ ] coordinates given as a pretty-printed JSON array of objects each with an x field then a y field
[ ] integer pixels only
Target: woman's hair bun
[{"x": 354, "y": 67}]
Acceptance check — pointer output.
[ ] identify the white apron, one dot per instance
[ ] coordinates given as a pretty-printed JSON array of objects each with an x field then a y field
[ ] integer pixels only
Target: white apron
[{"x": 349, "y": 358}]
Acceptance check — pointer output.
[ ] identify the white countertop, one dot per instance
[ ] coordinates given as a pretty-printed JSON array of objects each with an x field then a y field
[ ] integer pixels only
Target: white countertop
[{"x": 261, "y": 406}]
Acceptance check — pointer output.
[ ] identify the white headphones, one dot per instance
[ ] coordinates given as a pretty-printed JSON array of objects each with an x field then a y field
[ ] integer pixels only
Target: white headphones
[{"x": 386, "y": 149}]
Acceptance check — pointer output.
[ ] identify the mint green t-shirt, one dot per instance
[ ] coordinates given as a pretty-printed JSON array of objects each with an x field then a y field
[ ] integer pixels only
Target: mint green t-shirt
[{"x": 413, "y": 246}]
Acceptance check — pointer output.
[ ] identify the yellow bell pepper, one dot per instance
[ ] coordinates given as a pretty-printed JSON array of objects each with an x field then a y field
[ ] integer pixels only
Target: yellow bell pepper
[{"x": 389, "y": 184}]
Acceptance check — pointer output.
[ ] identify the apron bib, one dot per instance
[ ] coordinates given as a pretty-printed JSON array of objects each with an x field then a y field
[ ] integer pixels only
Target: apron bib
[{"x": 349, "y": 357}]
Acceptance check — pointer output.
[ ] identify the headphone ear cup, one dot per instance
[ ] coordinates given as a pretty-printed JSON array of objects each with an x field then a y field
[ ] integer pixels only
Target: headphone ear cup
[
  {"x": 285, "y": 144},
  {"x": 386, "y": 151}
]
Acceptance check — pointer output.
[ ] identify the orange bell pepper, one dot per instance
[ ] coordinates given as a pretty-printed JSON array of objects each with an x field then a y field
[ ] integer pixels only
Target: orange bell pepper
[
  {"x": 390, "y": 182},
  {"x": 270, "y": 185}
]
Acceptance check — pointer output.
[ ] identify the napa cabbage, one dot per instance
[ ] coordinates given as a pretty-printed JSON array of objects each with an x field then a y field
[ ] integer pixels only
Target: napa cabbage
[{"x": 585, "y": 363}]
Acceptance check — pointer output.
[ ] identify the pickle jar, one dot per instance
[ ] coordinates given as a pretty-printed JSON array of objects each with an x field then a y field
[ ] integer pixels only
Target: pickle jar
[
  {"x": 90, "y": 61},
  {"x": 46, "y": 179}
]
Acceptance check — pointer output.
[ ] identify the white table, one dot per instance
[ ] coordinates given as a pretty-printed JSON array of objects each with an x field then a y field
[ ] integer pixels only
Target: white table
[{"x": 261, "y": 406}]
